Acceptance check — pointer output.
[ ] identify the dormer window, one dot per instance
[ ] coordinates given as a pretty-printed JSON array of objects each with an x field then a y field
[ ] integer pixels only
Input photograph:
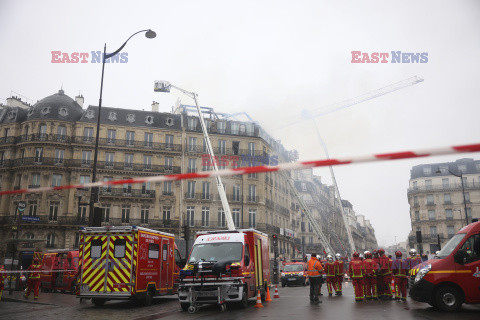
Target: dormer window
[{"x": 148, "y": 119}]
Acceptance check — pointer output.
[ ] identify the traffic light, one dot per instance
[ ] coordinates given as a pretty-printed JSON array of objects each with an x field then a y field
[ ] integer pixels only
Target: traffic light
[
  {"x": 275, "y": 240},
  {"x": 186, "y": 232}
]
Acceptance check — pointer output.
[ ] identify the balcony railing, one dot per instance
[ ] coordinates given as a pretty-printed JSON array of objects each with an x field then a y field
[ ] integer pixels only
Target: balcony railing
[
  {"x": 127, "y": 143},
  {"x": 126, "y": 193},
  {"x": 455, "y": 186}
]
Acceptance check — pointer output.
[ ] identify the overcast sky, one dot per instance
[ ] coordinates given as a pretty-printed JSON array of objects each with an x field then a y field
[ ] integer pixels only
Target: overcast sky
[{"x": 273, "y": 59}]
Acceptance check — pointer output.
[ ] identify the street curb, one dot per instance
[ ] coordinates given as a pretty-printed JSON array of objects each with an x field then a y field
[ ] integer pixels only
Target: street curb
[{"x": 25, "y": 301}]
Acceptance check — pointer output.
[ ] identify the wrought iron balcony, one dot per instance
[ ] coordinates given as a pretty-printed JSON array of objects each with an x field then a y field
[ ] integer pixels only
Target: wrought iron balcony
[{"x": 126, "y": 193}]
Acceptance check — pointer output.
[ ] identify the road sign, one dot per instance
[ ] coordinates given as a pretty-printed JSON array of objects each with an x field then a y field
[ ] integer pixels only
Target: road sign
[
  {"x": 21, "y": 206},
  {"x": 33, "y": 219}
]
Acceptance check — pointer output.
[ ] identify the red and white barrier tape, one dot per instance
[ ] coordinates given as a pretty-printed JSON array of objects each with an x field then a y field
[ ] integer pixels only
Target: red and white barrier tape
[
  {"x": 259, "y": 169},
  {"x": 39, "y": 271}
]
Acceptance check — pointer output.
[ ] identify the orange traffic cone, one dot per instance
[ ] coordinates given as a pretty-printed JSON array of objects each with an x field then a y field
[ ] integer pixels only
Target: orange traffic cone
[
  {"x": 393, "y": 287},
  {"x": 275, "y": 295},
  {"x": 268, "y": 298},
  {"x": 259, "y": 301}
]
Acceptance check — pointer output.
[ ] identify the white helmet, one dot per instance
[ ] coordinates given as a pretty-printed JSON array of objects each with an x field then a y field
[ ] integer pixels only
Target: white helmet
[
  {"x": 365, "y": 253},
  {"x": 412, "y": 252},
  {"x": 361, "y": 256},
  {"x": 338, "y": 256}
]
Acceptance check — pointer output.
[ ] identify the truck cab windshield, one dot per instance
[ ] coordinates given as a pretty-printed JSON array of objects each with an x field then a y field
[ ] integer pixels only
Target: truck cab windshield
[
  {"x": 451, "y": 245},
  {"x": 222, "y": 251}
]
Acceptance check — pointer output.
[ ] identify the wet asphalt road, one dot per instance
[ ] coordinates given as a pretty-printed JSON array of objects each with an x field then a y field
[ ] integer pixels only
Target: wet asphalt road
[{"x": 293, "y": 304}]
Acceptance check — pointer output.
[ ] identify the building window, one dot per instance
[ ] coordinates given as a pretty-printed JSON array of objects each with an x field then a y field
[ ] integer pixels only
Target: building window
[
  {"x": 206, "y": 190},
  {"x": 251, "y": 149},
  {"x": 431, "y": 214},
  {"x": 61, "y": 133},
  {"x": 86, "y": 156},
  {"x": 250, "y": 129},
  {"x": 446, "y": 198},
  {"x": 221, "y": 126},
  {"x": 59, "y": 156},
  {"x": 2, "y": 158},
  {"x": 467, "y": 196},
  {"x": 192, "y": 124},
  {"x": 129, "y": 161},
  {"x": 148, "y": 139},
  {"x": 191, "y": 189},
  {"x": 43, "y": 132},
  {"x": 205, "y": 216},
  {"x": 168, "y": 141},
  {"x": 167, "y": 188},
  {"x": 38, "y": 154},
  {"x": 222, "y": 147},
  {"x": 111, "y": 136},
  {"x": 106, "y": 213},
  {"x": 144, "y": 215},
  {"x": 109, "y": 159},
  {"x": 415, "y": 185},
  {"x": 415, "y": 201},
  {"x": 428, "y": 184},
  {"x": 127, "y": 187},
  {"x": 191, "y": 216},
  {"x": 84, "y": 179},
  {"x": 221, "y": 217},
  {"x": 254, "y": 174},
  {"x": 427, "y": 171},
  {"x": 252, "y": 193},
  {"x": 147, "y": 162},
  {"x": 236, "y": 217},
  {"x": 88, "y": 134},
  {"x": 168, "y": 163},
  {"x": 430, "y": 199},
  {"x": 166, "y": 214},
  {"x": 76, "y": 240},
  {"x": 433, "y": 231},
  {"x": 252, "y": 213},
  {"x": 50, "y": 240},
  {"x": 192, "y": 165},
  {"x": 53, "y": 212},
  {"x": 234, "y": 127},
  {"x": 450, "y": 231},
  {"x": 108, "y": 187},
  {"x": 130, "y": 138},
  {"x": 449, "y": 214},
  {"x": 417, "y": 215},
  {"x": 32, "y": 208},
  {"x": 469, "y": 213},
  {"x": 125, "y": 213},
  {"x": 35, "y": 180},
  {"x": 146, "y": 188},
  {"x": 56, "y": 180},
  {"x": 236, "y": 193},
  {"x": 192, "y": 144},
  {"x": 82, "y": 214},
  {"x": 445, "y": 183}
]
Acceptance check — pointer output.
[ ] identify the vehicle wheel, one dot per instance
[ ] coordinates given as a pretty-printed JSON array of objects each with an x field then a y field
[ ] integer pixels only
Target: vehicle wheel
[
  {"x": 98, "y": 301},
  {"x": 192, "y": 309},
  {"x": 148, "y": 298},
  {"x": 184, "y": 306},
  {"x": 244, "y": 302},
  {"x": 448, "y": 299},
  {"x": 283, "y": 284}
]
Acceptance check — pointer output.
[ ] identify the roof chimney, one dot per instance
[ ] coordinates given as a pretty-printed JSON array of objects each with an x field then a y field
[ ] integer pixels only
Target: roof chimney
[
  {"x": 155, "y": 106},
  {"x": 80, "y": 100}
]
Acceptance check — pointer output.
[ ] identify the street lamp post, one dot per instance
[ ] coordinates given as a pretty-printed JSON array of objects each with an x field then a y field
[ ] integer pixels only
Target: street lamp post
[
  {"x": 95, "y": 190},
  {"x": 463, "y": 190}
]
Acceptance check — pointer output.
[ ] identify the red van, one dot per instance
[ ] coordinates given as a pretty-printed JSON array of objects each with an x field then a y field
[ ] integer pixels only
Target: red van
[
  {"x": 453, "y": 276},
  {"x": 60, "y": 269}
]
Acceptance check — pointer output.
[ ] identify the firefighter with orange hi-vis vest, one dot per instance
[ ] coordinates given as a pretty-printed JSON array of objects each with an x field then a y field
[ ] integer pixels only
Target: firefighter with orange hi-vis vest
[
  {"x": 330, "y": 268},
  {"x": 33, "y": 279},
  {"x": 340, "y": 273},
  {"x": 356, "y": 271},
  {"x": 400, "y": 269}
]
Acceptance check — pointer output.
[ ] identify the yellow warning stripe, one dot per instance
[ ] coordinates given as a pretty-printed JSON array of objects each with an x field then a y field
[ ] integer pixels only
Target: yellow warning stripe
[{"x": 451, "y": 271}]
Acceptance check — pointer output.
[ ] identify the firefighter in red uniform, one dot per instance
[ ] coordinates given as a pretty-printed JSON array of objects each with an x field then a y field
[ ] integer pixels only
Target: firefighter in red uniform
[
  {"x": 340, "y": 273},
  {"x": 331, "y": 271},
  {"x": 371, "y": 270},
  {"x": 386, "y": 275},
  {"x": 400, "y": 271},
  {"x": 2, "y": 279},
  {"x": 379, "y": 278},
  {"x": 33, "y": 278},
  {"x": 356, "y": 271}
]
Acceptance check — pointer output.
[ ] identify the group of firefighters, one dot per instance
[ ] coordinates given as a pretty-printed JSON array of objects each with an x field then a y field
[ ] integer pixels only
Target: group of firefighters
[
  {"x": 33, "y": 282},
  {"x": 371, "y": 275}
]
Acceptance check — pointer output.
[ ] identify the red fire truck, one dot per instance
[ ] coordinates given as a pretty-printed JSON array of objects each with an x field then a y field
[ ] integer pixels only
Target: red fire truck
[
  {"x": 61, "y": 267},
  {"x": 453, "y": 276},
  {"x": 127, "y": 262},
  {"x": 225, "y": 267}
]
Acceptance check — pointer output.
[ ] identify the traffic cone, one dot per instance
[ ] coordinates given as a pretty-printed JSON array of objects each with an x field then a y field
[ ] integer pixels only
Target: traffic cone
[
  {"x": 275, "y": 295},
  {"x": 259, "y": 301},
  {"x": 393, "y": 286},
  {"x": 268, "y": 298}
]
